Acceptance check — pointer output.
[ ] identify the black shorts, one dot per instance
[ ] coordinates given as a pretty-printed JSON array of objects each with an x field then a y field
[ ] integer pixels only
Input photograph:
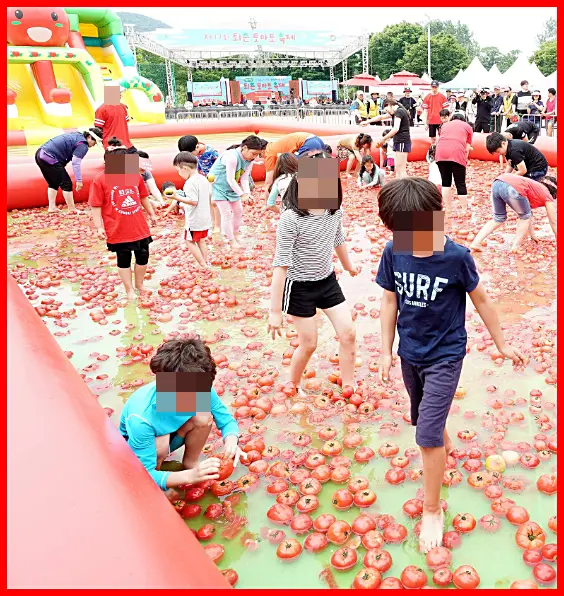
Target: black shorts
[
  {"x": 482, "y": 126},
  {"x": 55, "y": 174},
  {"x": 433, "y": 130},
  {"x": 303, "y": 298},
  {"x": 450, "y": 170}
]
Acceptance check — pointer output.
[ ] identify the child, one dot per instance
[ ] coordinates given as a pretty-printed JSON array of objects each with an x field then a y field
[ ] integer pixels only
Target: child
[
  {"x": 169, "y": 190},
  {"x": 445, "y": 117},
  {"x": 117, "y": 200},
  {"x": 286, "y": 167},
  {"x": 387, "y": 155},
  {"x": 434, "y": 172},
  {"x": 304, "y": 279},
  {"x": 425, "y": 295},
  {"x": 370, "y": 174},
  {"x": 145, "y": 171},
  {"x": 153, "y": 433},
  {"x": 197, "y": 197}
]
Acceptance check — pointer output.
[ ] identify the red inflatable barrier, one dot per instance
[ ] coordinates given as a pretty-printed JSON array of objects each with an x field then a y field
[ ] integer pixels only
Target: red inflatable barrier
[
  {"x": 27, "y": 188},
  {"x": 82, "y": 510}
]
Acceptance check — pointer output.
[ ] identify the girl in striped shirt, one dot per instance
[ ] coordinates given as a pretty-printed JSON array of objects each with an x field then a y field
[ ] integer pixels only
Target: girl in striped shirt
[{"x": 304, "y": 279}]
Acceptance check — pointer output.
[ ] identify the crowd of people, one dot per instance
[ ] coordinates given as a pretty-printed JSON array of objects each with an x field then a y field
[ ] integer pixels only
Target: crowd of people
[{"x": 309, "y": 233}]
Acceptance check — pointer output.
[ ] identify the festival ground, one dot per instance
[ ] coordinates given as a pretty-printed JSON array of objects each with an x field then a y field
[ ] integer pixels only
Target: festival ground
[{"x": 71, "y": 280}]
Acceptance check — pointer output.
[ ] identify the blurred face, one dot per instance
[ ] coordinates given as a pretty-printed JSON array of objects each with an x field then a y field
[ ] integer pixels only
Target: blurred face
[
  {"x": 496, "y": 90},
  {"x": 390, "y": 95},
  {"x": 503, "y": 149},
  {"x": 407, "y": 93},
  {"x": 434, "y": 90},
  {"x": 525, "y": 87},
  {"x": 91, "y": 142},
  {"x": 360, "y": 96},
  {"x": 183, "y": 171},
  {"x": 249, "y": 154},
  {"x": 390, "y": 109},
  {"x": 368, "y": 166},
  {"x": 536, "y": 97},
  {"x": 444, "y": 119}
]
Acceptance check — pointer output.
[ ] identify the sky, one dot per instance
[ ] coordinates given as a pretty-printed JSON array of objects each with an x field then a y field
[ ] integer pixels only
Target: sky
[{"x": 506, "y": 28}]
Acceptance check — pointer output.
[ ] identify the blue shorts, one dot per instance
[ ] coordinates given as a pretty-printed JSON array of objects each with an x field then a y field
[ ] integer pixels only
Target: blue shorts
[
  {"x": 431, "y": 390},
  {"x": 402, "y": 147},
  {"x": 504, "y": 194},
  {"x": 536, "y": 175},
  {"x": 311, "y": 144}
]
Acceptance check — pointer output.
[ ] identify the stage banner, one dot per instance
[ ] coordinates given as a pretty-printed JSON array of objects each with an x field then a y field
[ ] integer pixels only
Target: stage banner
[
  {"x": 315, "y": 88},
  {"x": 262, "y": 84},
  {"x": 176, "y": 38},
  {"x": 211, "y": 89}
]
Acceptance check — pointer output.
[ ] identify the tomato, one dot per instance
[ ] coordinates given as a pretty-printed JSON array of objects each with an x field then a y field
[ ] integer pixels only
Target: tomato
[
  {"x": 452, "y": 539},
  {"x": 340, "y": 474},
  {"x": 338, "y": 532},
  {"x": 493, "y": 491},
  {"x": 277, "y": 487},
  {"x": 316, "y": 542},
  {"x": 532, "y": 557},
  {"x": 298, "y": 476},
  {"x": 247, "y": 482},
  {"x": 517, "y": 515},
  {"x": 323, "y": 522},
  {"x": 378, "y": 559},
  {"x": 194, "y": 494},
  {"x": 549, "y": 552},
  {"x": 301, "y": 523},
  {"x": 288, "y": 497},
  {"x": 388, "y": 450},
  {"x": 395, "y": 533},
  {"x": 179, "y": 505},
  {"x": 363, "y": 454},
  {"x": 270, "y": 453},
  {"x": 310, "y": 486},
  {"x": 552, "y": 523},
  {"x": 358, "y": 483},
  {"x": 502, "y": 505},
  {"x": 452, "y": 478},
  {"x": 413, "y": 507},
  {"x": 363, "y": 524},
  {"x": 544, "y": 573},
  {"x": 442, "y": 577},
  {"x": 391, "y": 583},
  {"x": 321, "y": 473},
  {"x": 413, "y": 577},
  {"x": 289, "y": 549},
  {"x": 463, "y": 523},
  {"x": 340, "y": 460},
  {"x": 214, "y": 511},
  {"x": 230, "y": 575},
  {"x": 437, "y": 557},
  {"x": 395, "y": 476},
  {"x": 372, "y": 539},
  {"x": 332, "y": 448},
  {"x": 327, "y": 433},
  {"x": 547, "y": 484},
  {"x": 342, "y": 499},
  {"x": 364, "y": 498},
  {"x": 523, "y": 584},
  {"x": 215, "y": 552},
  {"x": 220, "y": 488},
  {"x": 466, "y": 578},
  {"x": 344, "y": 558},
  {"x": 367, "y": 579},
  {"x": 480, "y": 479},
  {"x": 280, "y": 514},
  {"x": 307, "y": 504},
  {"x": 206, "y": 532},
  {"x": 225, "y": 467},
  {"x": 530, "y": 536},
  {"x": 490, "y": 523},
  {"x": 191, "y": 510}
]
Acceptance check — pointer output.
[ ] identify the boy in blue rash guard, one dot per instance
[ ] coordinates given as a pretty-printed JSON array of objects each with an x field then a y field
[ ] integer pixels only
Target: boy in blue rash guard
[
  {"x": 153, "y": 433},
  {"x": 425, "y": 277}
]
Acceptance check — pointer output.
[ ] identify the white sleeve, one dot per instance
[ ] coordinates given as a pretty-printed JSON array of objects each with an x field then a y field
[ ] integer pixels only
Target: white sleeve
[{"x": 230, "y": 171}]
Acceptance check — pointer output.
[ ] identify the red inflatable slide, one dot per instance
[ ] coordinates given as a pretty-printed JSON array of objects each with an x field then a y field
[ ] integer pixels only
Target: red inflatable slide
[
  {"x": 27, "y": 188},
  {"x": 82, "y": 510}
]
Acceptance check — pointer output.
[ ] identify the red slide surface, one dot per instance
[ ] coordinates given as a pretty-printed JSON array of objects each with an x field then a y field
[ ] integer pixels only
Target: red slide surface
[
  {"x": 27, "y": 188},
  {"x": 101, "y": 521}
]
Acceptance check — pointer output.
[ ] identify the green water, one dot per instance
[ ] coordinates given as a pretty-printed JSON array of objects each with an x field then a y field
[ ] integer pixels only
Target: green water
[{"x": 495, "y": 556}]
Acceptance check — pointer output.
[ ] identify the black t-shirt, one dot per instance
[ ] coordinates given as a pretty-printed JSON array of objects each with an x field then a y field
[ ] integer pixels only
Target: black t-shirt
[
  {"x": 483, "y": 109},
  {"x": 409, "y": 104},
  {"x": 524, "y": 98},
  {"x": 519, "y": 151},
  {"x": 403, "y": 135},
  {"x": 522, "y": 129}
]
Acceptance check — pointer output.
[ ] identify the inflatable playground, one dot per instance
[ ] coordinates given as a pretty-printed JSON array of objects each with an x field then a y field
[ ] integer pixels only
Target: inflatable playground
[{"x": 332, "y": 488}]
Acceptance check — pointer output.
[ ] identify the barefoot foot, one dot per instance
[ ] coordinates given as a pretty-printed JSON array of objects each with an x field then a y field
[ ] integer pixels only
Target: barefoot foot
[{"x": 431, "y": 530}]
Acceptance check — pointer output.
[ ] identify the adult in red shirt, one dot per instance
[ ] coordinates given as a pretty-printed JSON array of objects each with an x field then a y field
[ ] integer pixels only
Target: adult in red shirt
[
  {"x": 118, "y": 196},
  {"x": 433, "y": 103},
  {"x": 112, "y": 117},
  {"x": 522, "y": 195},
  {"x": 451, "y": 157}
]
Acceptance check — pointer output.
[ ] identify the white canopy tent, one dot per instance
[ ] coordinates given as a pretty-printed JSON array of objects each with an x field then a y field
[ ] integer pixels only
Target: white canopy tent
[
  {"x": 474, "y": 76},
  {"x": 551, "y": 81},
  {"x": 495, "y": 77},
  {"x": 454, "y": 83},
  {"x": 523, "y": 70}
]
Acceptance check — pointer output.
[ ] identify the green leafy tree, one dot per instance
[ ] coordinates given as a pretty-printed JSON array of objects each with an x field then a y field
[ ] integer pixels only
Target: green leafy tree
[
  {"x": 388, "y": 48},
  {"x": 545, "y": 57},
  {"x": 548, "y": 33},
  {"x": 491, "y": 55},
  {"x": 459, "y": 31},
  {"x": 447, "y": 57}
]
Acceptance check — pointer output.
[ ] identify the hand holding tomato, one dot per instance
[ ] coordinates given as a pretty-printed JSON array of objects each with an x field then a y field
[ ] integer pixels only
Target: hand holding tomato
[
  {"x": 232, "y": 449},
  {"x": 513, "y": 354},
  {"x": 206, "y": 470}
]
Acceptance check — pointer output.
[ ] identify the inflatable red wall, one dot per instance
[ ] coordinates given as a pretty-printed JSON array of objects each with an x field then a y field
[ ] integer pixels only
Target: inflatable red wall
[{"x": 82, "y": 510}]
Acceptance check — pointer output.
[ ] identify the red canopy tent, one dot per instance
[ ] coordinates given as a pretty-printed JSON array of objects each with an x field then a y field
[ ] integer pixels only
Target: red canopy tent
[
  {"x": 404, "y": 78},
  {"x": 362, "y": 80}
]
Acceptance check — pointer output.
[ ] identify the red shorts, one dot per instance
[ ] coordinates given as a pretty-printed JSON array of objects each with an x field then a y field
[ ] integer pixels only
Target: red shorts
[{"x": 197, "y": 235}]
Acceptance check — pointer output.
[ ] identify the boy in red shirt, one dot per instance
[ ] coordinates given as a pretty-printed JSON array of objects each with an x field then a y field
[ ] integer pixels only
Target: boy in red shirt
[
  {"x": 118, "y": 196},
  {"x": 432, "y": 106},
  {"x": 112, "y": 117}
]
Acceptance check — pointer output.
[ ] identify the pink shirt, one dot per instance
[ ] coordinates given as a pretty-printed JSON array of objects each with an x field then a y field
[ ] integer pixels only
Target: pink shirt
[{"x": 451, "y": 146}]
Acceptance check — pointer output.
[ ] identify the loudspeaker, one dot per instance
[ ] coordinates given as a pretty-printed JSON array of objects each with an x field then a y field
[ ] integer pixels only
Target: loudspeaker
[
  {"x": 189, "y": 96},
  {"x": 334, "y": 95}
]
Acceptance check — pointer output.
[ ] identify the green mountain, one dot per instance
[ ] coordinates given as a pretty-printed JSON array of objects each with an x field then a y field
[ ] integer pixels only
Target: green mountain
[{"x": 142, "y": 23}]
